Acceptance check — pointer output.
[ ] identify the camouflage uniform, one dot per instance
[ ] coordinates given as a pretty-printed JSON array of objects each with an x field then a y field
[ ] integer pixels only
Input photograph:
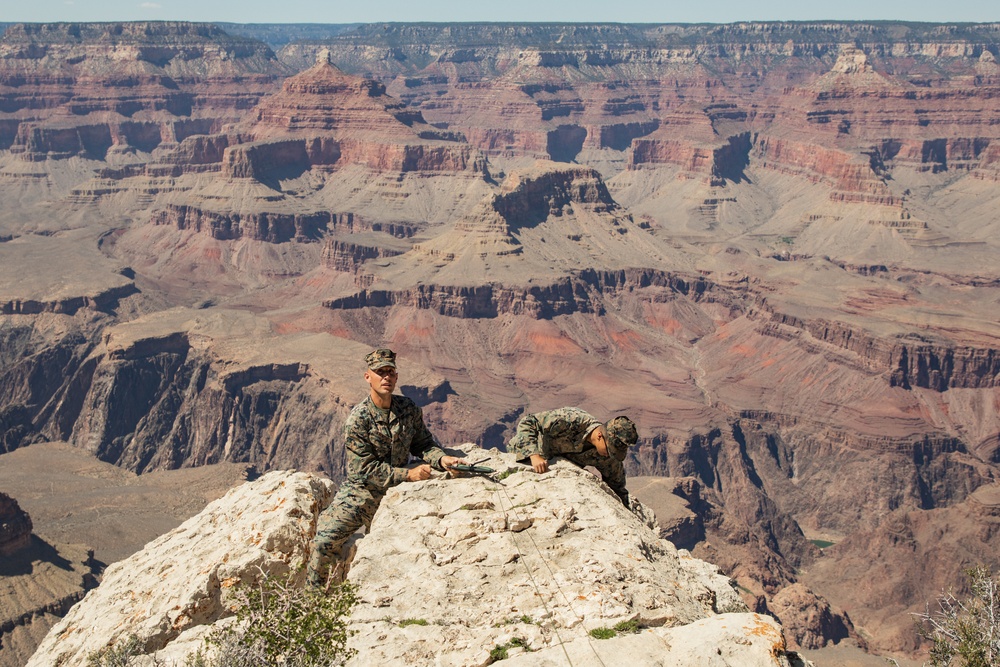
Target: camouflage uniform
[
  {"x": 379, "y": 444},
  {"x": 564, "y": 432}
]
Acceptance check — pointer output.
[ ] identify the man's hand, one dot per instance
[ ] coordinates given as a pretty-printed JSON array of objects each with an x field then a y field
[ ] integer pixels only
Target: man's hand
[
  {"x": 539, "y": 463},
  {"x": 448, "y": 461},
  {"x": 418, "y": 473}
]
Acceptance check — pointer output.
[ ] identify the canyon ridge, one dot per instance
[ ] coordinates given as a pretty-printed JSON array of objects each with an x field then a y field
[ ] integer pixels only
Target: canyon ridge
[{"x": 771, "y": 244}]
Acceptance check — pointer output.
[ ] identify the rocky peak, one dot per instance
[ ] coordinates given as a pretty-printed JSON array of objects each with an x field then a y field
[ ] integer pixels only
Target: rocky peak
[
  {"x": 547, "y": 189},
  {"x": 544, "y": 558},
  {"x": 852, "y": 60},
  {"x": 15, "y": 526},
  {"x": 325, "y": 99}
]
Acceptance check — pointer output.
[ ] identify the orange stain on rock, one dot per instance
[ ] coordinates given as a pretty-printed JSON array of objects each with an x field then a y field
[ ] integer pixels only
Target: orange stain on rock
[
  {"x": 546, "y": 344},
  {"x": 625, "y": 339}
]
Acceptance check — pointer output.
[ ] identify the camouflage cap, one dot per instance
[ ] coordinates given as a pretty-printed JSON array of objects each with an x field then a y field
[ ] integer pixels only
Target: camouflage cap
[
  {"x": 621, "y": 436},
  {"x": 381, "y": 358}
]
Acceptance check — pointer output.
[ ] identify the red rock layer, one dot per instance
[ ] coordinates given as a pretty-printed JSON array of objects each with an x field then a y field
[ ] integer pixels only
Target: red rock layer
[
  {"x": 852, "y": 179},
  {"x": 909, "y": 362}
]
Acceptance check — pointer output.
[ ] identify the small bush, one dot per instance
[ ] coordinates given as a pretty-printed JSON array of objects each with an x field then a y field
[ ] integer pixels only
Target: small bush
[
  {"x": 967, "y": 629},
  {"x": 627, "y": 627},
  {"x": 603, "y": 633},
  {"x": 277, "y": 623},
  {"x": 520, "y": 642},
  {"x": 119, "y": 655},
  {"x": 412, "y": 621},
  {"x": 499, "y": 651}
]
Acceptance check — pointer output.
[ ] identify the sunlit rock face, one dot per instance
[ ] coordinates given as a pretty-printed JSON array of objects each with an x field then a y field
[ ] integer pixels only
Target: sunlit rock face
[{"x": 545, "y": 558}]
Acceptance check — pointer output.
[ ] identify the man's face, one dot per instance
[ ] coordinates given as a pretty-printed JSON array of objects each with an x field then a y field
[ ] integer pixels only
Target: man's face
[
  {"x": 599, "y": 439},
  {"x": 382, "y": 380}
]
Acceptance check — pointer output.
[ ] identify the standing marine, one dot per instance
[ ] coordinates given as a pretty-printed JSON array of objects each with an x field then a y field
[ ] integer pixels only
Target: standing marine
[
  {"x": 578, "y": 436},
  {"x": 381, "y": 434}
]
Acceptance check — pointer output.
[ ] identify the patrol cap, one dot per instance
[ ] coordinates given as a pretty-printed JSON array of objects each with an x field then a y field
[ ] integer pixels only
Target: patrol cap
[
  {"x": 381, "y": 358},
  {"x": 621, "y": 436}
]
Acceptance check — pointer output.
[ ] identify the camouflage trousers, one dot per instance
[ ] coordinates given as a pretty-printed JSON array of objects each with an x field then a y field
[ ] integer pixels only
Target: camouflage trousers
[{"x": 352, "y": 507}]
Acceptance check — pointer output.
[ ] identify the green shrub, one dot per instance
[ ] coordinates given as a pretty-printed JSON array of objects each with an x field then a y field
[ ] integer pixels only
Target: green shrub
[
  {"x": 412, "y": 621},
  {"x": 603, "y": 633},
  {"x": 627, "y": 627},
  {"x": 118, "y": 655},
  {"x": 965, "y": 630},
  {"x": 499, "y": 651},
  {"x": 520, "y": 642},
  {"x": 278, "y": 623}
]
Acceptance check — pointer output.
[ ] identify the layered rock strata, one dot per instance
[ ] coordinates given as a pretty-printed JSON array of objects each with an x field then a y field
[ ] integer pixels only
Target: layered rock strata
[{"x": 123, "y": 87}]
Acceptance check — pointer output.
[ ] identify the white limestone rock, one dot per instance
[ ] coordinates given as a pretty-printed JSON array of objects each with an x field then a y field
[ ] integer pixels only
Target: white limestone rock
[
  {"x": 178, "y": 581},
  {"x": 543, "y": 558},
  {"x": 451, "y": 569}
]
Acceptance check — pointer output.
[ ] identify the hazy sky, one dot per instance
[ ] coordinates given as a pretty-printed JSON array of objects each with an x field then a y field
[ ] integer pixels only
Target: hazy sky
[{"x": 623, "y": 11}]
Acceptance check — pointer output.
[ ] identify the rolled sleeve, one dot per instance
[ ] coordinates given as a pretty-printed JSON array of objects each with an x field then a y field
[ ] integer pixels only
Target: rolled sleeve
[{"x": 528, "y": 440}]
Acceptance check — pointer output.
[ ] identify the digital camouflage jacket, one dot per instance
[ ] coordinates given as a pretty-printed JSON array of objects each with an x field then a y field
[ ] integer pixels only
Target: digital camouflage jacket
[
  {"x": 563, "y": 432},
  {"x": 379, "y": 443}
]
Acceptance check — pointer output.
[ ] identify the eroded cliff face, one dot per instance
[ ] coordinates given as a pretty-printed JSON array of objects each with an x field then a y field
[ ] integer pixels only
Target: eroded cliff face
[{"x": 15, "y": 526}]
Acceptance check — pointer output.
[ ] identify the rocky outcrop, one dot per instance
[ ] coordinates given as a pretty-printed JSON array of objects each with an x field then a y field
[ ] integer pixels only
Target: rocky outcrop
[
  {"x": 15, "y": 526},
  {"x": 160, "y": 403},
  {"x": 324, "y": 118},
  {"x": 274, "y": 227},
  {"x": 909, "y": 361},
  {"x": 583, "y": 293},
  {"x": 42, "y": 380},
  {"x": 553, "y": 573},
  {"x": 180, "y": 580},
  {"x": 807, "y": 620},
  {"x": 345, "y": 256},
  {"x": 41, "y": 583},
  {"x": 719, "y": 161},
  {"x": 851, "y": 177},
  {"x": 408, "y": 49},
  {"x": 103, "y": 300}
]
